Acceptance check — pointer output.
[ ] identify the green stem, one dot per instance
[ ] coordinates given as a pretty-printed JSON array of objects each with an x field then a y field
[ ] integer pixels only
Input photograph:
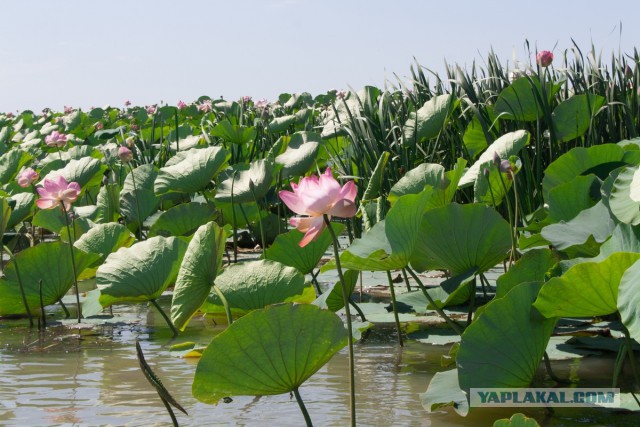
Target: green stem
[
  {"x": 345, "y": 298},
  {"x": 458, "y": 330},
  {"x": 630, "y": 355},
  {"x": 20, "y": 285},
  {"x": 225, "y": 304},
  {"x": 303, "y": 408},
  {"x": 406, "y": 279},
  {"x": 65, "y": 309},
  {"x": 174, "y": 420},
  {"x": 135, "y": 197},
  {"x": 73, "y": 263},
  {"x": 165, "y": 317},
  {"x": 358, "y": 309},
  {"x": 234, "y": 223},
  {"x": 263, "y": 242},
  {"x": 395, "y": 308},
  {"x": 44, "y": 317}
]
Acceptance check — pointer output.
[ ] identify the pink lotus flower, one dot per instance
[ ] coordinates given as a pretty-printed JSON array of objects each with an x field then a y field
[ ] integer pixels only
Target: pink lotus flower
[
  {"x": 10, "y": 115},
  {"x": 181, "y": 105},
  {"x": 127, "y": 103},
  {"x": 341, "y": 94},
  {"x": 26, "y": 177},
  {"x": 68, "y": 110},
  {"x": 99, "y": 126},
  {"x": 125, "y": 154},
  {"x": 246, "y": 99},
  {"x": 544, "y": 58},
  {"x": 206, "y": 106},
  {"x": 261, "y": 103},
  {"x": 57, "y": 191},
  {"x": 56, "y": 139},
  {"x": 151, "y": 109},
  {"x": 316, "y": 197}
]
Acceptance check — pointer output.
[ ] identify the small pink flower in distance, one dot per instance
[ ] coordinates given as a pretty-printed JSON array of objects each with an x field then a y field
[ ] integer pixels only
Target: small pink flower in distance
[
  {"x": 125, "y": 154},
  {"x": 341, "y": 94},
  {"x": 68, "y": 110},
  {"x": 99, "y": 126},
  {"x": 544, "y": 58},
  {"x": 56, "y": 139},
  {"x": 151, "y": 109},
  {"x": 246, "y": 99},
  {"x": 57, "y": 191},
  {"x": 10, "y": 115},
  {"x": 127, "y": 103},
  {"x": 26, "y": 177},
  {"x": 317, "y": 196},
  {"x": 261, "y": 103},
  {"x": 181, "y": 105},
  {"x": 205, "y": 106}
]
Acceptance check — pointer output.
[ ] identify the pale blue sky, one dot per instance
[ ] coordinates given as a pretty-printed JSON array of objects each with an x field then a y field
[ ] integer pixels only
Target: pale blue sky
[{"x": 87, "y": 53}]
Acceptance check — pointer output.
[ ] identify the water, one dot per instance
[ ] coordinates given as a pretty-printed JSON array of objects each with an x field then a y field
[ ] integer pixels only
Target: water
[{"x": 88, "y": 377}]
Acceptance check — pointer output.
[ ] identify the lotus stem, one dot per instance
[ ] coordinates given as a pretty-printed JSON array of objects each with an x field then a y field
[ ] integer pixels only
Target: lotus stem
[
  {"x": 165, "y": 317},
  {"x": 225, "y": 304},
  {"x": 234, "y": 223},
  {"x": 44, "y": 317},
  {"x": 263, "y": 241},
  {"x": 345, "y": 298},
  {"x": 395, "y": 308},
  {"x": 73, "y": 263},
  {"x": 439, "y": 310},
  {"x": 65, "y": 309},
  {"x": 135, "y": 197},
  {"x": 630, "y": 354},
  {"x": 406, "y": 279},
  {"x": 303, "y": 408},
  {"x": 20, "y": 285}
]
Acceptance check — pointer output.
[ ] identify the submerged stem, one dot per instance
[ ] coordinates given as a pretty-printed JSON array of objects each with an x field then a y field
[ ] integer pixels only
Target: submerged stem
[
  {"x": 165, "y": 317},
  {"x": 395, "y": 308},
  {"x": 345, "y": 298}
]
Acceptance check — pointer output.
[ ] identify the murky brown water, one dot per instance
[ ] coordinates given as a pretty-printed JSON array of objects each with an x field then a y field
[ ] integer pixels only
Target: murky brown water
[{"x": 91, "y": 377}]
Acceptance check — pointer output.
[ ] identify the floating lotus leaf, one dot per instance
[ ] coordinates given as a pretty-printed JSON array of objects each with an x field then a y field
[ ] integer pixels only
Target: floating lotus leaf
[
  {"x": 192, "y": 171},
  {"x": 269, "y": 351},
  {"x": 495, "y": 353},
  {"x": 198, "y": 270},
  {"x": 444, "y": 391}
]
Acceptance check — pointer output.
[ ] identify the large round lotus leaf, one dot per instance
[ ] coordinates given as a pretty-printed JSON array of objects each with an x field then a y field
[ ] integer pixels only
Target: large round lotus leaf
[
  {"x": 286, "y": 250},
  {"x": 429, "y": 120},
  {"x": 532, "y": 267},
  {"x": 267, "y": 352},
  {"x": 598, "y": 159},
  {"x": 198, "y": 270},
  {"x": 629, "y": 300},
  {"x": 504, "y": 345},
  {"x": 49, "y": 262},
  {"x": 280, "y": 124},
  {"x": 417, "y": 179},
  {"x": 586, "y": 289},
  {"x": 235, "y": 134},
  {"x": 193, "y": 172},
  {"x": 520, "y": 100},
  {"x": 11, "y": 162},
  {"x": 461, "y": 237},
  {"x": 492, "y": 186},
  {"x": 507, "y": 145},
  {"x": 104, "y": 239},
  {"x": 140, "y": 272},
  {"x": 87, "y": 172},
  {"x": 568, "y": 199},
  {"x": 571, "y": 118},
  {"x": 137, "y": 198},
  {"x": 256, "y": 284},
  {"x": 390, "y": 243},
  {"x": 300, "y": 154},
  {"x": 23, "y": 208},
  {"x": 108, "y": 203},
  {"x": 182, "y": 220},
  {"x": 259, "y": 173},
  {"x": 622, "y": 205},
  {"x": 332, "y": 299},
  {"x": 444, "y": 391}
]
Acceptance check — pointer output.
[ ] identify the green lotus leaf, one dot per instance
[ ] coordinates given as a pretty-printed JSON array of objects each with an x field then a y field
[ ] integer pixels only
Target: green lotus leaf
[
  {"x": 235, "y": 134},
  {"x": 23, "y": 208},
  {"x": 586, "y": 289},
  {"x": 417, "y": 179},
  {"x": 507, "y": 145},
  {"x": 497, "y": 353},
  {"x": 444, "y": 391},
  {"x": 516, "y": 420},
  {"x": 285, "y": 249},
  {"x": 568, "y": 199},
  {"x": 588, "y": 229},
  {"x": 280, "y": 124},
  {"x": 103, "y": 239},
  {"x": 137, "y": 198},
  {"x": 182, "y": 220},
  {"x": 532, "y": 267},
  {"x": 198, "y": 270},
  {"x": 629, "y": 300},
  {"x": 49, "y": 262},
  {"x": 390, "y": 243},
  {"x": 492, "y": 186},
  {"x": 300, "y": 154},
  {"x": 108, "y": 203},
  {"x": 572, "y": 118},
  {"x": 429, "y": 120},
  {"x": 621, "y": 203},
  {"x": 269, "y": 351},
  {"x": 87, "y": 172},
  {"x": 192, "y": 171},
  {"x": 11, "y": 162},
  {"x": 5, "y": 214},
  {"x": 332, "y": 298},
  {"x": 474, "y": 138},
  {"x": 140, "y": 272},
  {"x": 460, "y": 237},
  {"x": 455, "y": 290},
  {"x": 520, "y": 100},
  {"x": 258, "y": 173},
  {"x": 598, "y": 159},
  {"x": 252, "y": 285}
]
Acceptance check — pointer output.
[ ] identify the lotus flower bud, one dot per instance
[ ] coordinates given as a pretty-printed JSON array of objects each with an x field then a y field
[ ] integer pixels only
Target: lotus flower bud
[
  {"x": 125, "y": 154},
  {"x": 544, "y": 58}
]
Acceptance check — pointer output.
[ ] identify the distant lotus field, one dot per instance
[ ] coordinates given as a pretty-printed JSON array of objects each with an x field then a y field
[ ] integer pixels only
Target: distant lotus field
[{"x": 519, "y": 187}]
